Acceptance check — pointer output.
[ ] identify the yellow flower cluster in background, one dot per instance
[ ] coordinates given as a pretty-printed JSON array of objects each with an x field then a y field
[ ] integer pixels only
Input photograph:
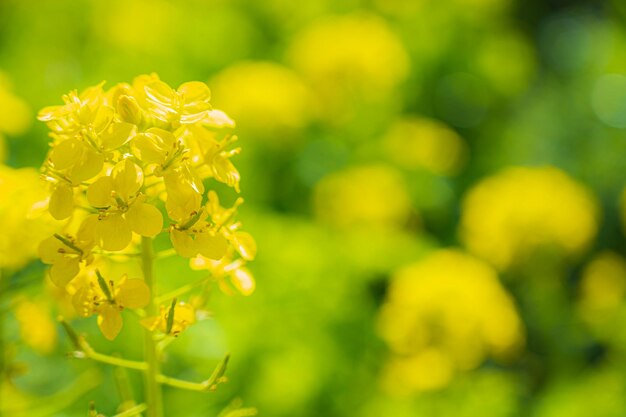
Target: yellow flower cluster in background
[
  {"x": 443, "y": 314},
  {"x": 423, "y": 143},
  {"x": 22, "y": 218},
  {"x": 349, "y": 58},
  {"x": 506, "y": 216},
  {"x": 122, "y": 158},
  {"x": 265, "y": 98},
  {"x": 366, "y": 196},
  {"x": 602, "y": 292},
  {"x": 15, "y": 114}
]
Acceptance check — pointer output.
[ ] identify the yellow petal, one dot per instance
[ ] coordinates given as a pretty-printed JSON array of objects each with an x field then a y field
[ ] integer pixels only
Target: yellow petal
[
  {"x": 110, "y": 321},
  {"x": 212, "y": 246},
  {"x": 133, "y": 293},
  {"x": 61, "y": 201},
  {"x": 99, "y": 194},
  {"x": 217, "y": 119},
  {"x": 183, "y": 243},
  {"x": 63, "y": 270},
  {"x": 102, "y": 117},
  {"x": 116, "y": 135},
  {"x": 81, "y": 300},
  {"x": 182, "y": 198},
  {"x": 150, "y": 323},
  {"x": 243, "y": 280},
  {"x": 245, "y": 245},
  {"x": 224, "y": 171},
  {"x": 145, "y": 219},
  {"x": 87, "y": 230},
  {"x": 67, "y": 153},
  {"x": 194, "y": 91},
  {"x": 48, "y": 250},
  {"x": 49, "y": 113},
  {"x": 184, "y": 316},
  {"x": 127, "y": 179},
  {"x": 113, "y": 233},
  {"x": 87, "y": 167},
  {"x": 129, "y": 109}
]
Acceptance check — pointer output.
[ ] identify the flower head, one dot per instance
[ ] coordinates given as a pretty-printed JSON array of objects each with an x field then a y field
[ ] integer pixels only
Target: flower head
[{"x": 108, "y": 299}]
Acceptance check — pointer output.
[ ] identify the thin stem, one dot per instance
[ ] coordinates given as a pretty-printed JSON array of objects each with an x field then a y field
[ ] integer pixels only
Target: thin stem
[
  {"x": 133, "y": 411},
  {"x": 151, "y": 354},
  {"x": 179, "y": 383},
  {"x": 182, "y": 290},
  {"x": 110, "y": 360}
]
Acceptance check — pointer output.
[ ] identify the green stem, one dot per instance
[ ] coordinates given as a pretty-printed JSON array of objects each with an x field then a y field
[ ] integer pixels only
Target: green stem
[
  {"x": 182, "y": 290},
  {"x": 153, "y": 397},
  {"x": 132, "y": 411}
]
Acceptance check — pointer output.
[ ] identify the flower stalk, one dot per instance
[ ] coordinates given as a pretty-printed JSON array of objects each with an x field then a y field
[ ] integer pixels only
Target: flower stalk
[{"x": 153, "y": 393}]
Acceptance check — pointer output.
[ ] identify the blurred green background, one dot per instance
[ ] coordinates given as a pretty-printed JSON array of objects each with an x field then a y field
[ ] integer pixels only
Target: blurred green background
[{"x": 434, "y": 185}]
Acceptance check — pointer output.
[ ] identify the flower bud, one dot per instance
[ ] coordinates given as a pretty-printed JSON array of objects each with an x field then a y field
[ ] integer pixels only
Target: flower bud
[{"x": 129, "y": 110}]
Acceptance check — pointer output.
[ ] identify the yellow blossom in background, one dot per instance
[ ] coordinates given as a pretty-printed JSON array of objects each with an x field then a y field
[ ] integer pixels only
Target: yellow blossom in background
[
  {"x": 508, "y": 215},
  {"x": 601, "y": 294},
  {"x": 15, "y": 114},
  {"x": 266, "y": 98},
  {"x": 348, "y": 59},
  {"x": 37, "y": 329},
  {"x": 366, "y": 196},
  {"x": 443, "y": 314},
  {"x": 22, "y": 219},
  {"x": 421, "y": 143}
]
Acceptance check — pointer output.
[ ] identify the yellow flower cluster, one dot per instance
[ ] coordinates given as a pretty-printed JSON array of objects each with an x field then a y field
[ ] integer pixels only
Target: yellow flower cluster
[
  {"x": 443, "y": 314},
  {"x": 415, "y": 143},
  {"x": 122, "y": 162},
  {"x": 510, "y": 214},
  {"x": 22, "y": 218},
  {"x": 601, "y": 295},
  {"x": 366, "y": 196},
  {"x": 15, "y": 114}
]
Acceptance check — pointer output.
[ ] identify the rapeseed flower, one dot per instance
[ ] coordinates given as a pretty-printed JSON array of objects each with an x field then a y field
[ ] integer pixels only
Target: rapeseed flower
[
  {"x": 108, "y": 299},
  {"x": 121, "y": 159},
  {"x": 445, "y": 314},
  {"x": 507, "y": 216}
]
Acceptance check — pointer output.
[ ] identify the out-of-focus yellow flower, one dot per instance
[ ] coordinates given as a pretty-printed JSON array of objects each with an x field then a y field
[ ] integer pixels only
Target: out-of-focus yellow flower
[
  {"x": 349, "y": 60},
  {"x": 36, "y": 328},
  {"x": 22, "y": 219},
  {"x": 267, "y": 99},
  {"x": 366, "y": 196},
  {"x": 443, "y": 314},
  {"x": 602, "y": 288},
  {"x": 108, "y": 299},
  {"x": 184, "y": 316},
  {"x": 508, "y": 215},
  {"x": 360, "y": 50},
  {"x": 144, "y": 25},
  {"x": 15, "y": 114},
  {"x": 425, "y": 143}
]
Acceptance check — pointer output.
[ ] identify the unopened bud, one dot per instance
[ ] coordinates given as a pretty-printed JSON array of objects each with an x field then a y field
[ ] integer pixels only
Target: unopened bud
[{"x": 129, "y": 110}]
